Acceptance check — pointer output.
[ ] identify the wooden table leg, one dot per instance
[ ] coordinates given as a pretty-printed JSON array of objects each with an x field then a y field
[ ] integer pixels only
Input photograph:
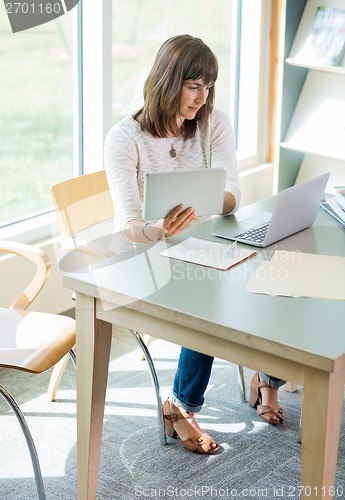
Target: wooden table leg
[
  {"x": 93, "y": 351},
  {"x": 321, "y": 425}
]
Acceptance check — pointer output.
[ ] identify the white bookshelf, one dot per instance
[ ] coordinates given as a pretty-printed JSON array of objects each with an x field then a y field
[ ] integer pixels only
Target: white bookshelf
[
  {"x": 328, "y": 69},
  {"x": 312, "y": 127}
]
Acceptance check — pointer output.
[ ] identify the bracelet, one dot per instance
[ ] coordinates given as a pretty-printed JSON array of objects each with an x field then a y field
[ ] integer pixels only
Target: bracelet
[{"x": 143, "y": 231}]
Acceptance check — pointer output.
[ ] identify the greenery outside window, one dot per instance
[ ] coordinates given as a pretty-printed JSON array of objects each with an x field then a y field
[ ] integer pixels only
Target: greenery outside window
[{"x": 36, "y": 115}]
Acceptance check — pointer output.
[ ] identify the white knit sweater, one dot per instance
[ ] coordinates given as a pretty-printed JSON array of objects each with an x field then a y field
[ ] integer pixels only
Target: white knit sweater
[{"x": 131, "y": 152}]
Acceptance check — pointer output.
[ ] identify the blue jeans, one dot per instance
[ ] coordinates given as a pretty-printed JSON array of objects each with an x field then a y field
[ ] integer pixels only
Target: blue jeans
[{"x": 192, "y": 377}]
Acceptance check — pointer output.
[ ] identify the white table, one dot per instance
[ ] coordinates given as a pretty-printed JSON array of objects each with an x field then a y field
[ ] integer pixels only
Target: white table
[{"x": 301, "y": 340}]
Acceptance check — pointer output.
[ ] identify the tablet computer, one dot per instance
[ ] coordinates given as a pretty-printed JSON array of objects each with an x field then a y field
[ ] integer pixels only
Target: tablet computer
[{"x": 202, "y": 188}]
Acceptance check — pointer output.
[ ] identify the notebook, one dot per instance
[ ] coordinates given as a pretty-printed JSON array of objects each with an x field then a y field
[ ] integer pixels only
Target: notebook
[
  {"x": 208, "y": 253},
  {"x": 201, "y": 188},
  {"x": 295, "y": 209}
]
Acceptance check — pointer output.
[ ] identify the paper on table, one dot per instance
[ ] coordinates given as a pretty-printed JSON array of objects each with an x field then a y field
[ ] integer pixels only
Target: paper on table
[
  {"x": 208, "y": 253},
  {"x": 297, "y": 274}
]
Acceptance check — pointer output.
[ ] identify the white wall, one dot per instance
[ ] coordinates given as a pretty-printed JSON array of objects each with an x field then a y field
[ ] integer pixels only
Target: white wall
[{"x": 256, "y": 184}]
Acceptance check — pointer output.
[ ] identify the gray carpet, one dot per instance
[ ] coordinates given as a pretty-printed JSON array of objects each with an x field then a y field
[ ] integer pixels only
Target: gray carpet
[{"x": 256, "y": 460}]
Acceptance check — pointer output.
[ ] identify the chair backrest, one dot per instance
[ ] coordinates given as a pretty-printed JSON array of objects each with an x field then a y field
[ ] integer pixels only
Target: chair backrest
[
  {"x": 41, "y": 261},
  {"x": 82, "y": 202}
]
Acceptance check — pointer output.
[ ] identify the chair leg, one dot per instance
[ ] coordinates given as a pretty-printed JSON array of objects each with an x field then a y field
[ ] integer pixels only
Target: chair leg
[
  {"x": 240, "y": 375},
  {"x": 155, "y": 382},
  {"x": 147, "y": 339},
  {"x": 57, "y": 373},
  {"x": 31, "y": 445},
  {"x": 73, "y": 357},
  {"x": 299, "y": 440}
]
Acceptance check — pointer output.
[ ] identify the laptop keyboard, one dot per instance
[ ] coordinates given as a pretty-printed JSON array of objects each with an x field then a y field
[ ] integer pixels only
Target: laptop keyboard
[{"x": 256, "y": 234}]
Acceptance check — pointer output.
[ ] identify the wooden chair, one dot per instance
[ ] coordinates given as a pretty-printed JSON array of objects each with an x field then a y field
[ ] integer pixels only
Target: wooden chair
[
  {"x": 85, "y": 209},
  {"x": 31, "y": 341}
]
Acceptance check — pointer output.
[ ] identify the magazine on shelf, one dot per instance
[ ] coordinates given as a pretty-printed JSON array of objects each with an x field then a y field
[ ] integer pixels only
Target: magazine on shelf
[
  {"x": 325, "y": 44},
  {"x": 334, "y": 205}
]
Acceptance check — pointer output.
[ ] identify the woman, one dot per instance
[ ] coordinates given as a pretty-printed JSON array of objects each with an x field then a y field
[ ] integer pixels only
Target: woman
[{"x": 177, "y": 128}]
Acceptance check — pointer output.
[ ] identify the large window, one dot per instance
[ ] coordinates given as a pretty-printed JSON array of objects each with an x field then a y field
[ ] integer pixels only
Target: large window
[{"x": 36, "y": 115}]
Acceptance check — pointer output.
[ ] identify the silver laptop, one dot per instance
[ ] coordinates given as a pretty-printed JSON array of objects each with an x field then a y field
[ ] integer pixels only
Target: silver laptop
[
  {"x": 295, "y": 209},
  {"x": 200, "y": 188}
]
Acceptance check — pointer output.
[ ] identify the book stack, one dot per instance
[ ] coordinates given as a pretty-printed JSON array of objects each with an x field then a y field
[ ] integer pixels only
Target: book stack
[{"x": 335, "y": 204}]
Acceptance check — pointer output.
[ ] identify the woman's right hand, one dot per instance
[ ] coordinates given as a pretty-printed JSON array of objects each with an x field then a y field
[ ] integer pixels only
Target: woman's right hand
[{"x": 178, "y": 220}]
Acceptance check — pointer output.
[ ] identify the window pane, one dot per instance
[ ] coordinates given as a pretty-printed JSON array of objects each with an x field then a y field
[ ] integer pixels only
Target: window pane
[{"x": 36, "y": 115}]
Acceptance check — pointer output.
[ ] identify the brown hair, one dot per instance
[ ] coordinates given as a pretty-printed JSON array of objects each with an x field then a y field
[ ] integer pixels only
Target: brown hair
[{"x": 180, "y": 58}]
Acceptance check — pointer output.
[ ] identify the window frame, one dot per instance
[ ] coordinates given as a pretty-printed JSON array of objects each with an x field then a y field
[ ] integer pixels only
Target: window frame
[{"x": 259, "y": 158}]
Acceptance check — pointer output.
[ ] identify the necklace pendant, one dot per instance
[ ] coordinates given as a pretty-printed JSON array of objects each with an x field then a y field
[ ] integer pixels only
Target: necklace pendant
[{"x": 172, "y": 152}]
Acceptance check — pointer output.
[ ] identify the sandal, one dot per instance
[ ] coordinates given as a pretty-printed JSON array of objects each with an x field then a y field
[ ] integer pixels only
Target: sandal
[
  {"x": 202, "y": 443},
  {"x": 255, "y": 400}
]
